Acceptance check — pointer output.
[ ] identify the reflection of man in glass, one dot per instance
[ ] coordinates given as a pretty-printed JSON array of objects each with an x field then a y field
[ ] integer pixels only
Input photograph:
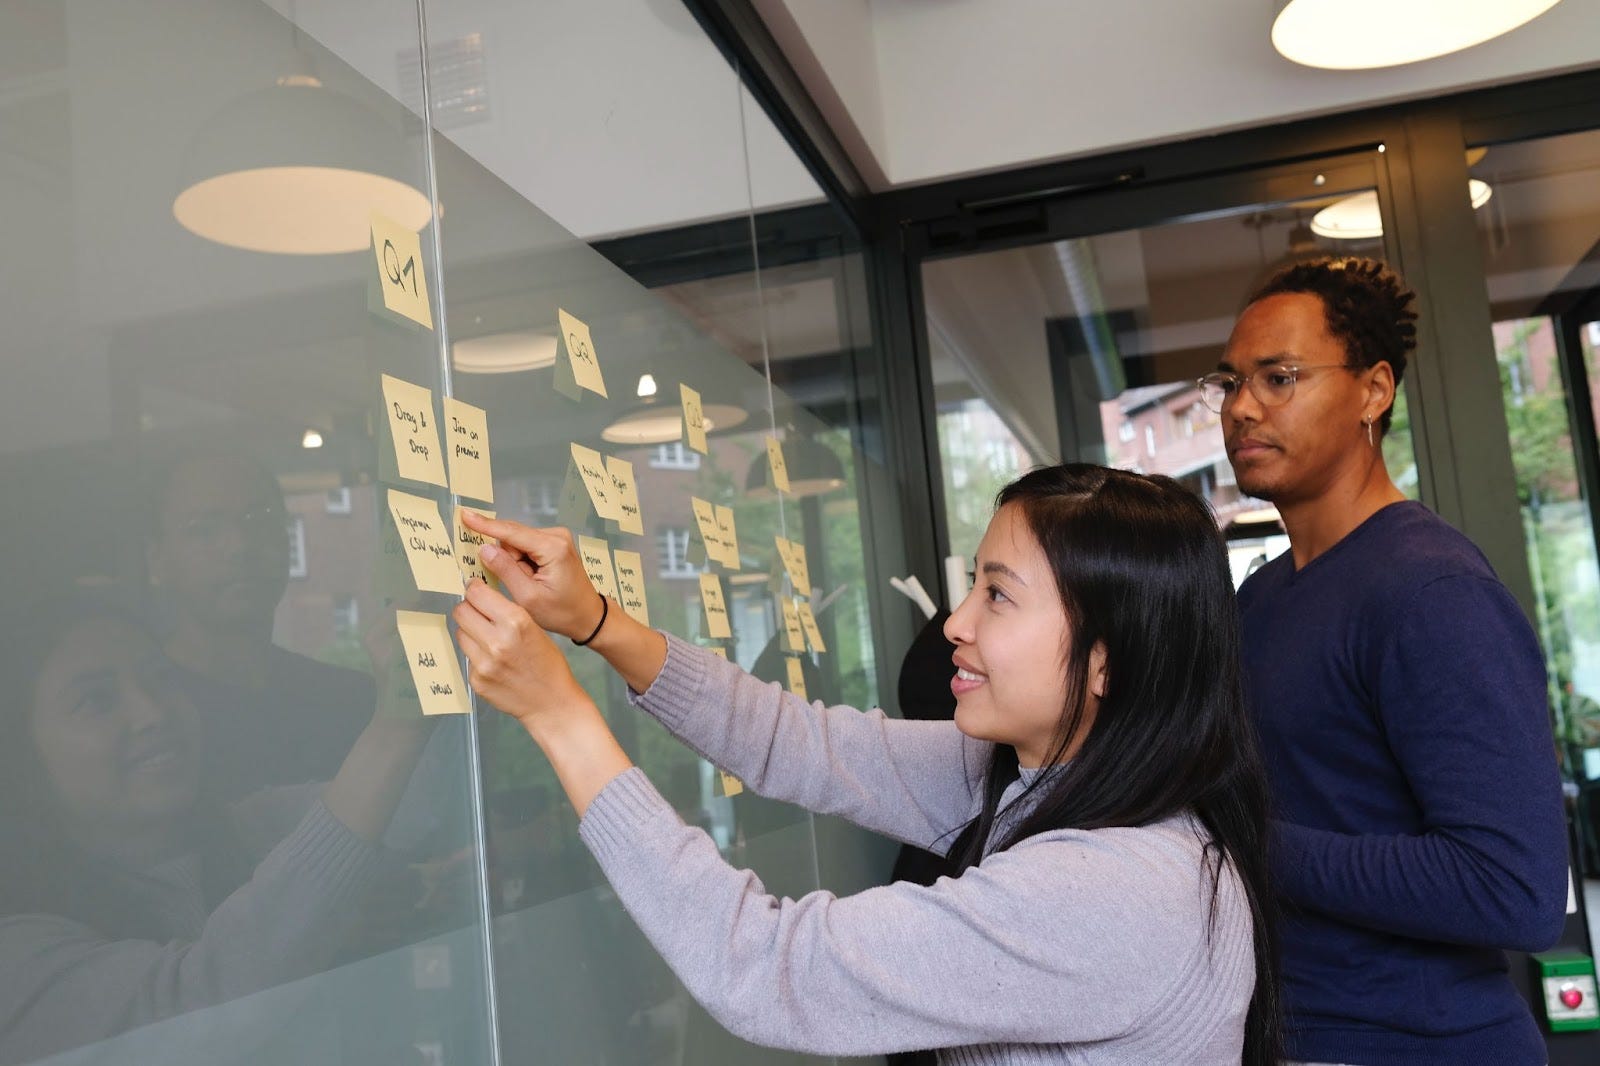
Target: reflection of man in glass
[{"x": 219, "y": 561}]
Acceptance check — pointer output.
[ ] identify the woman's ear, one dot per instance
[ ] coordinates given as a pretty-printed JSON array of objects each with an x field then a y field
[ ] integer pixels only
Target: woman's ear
[{"x": 1098, "y": 677}]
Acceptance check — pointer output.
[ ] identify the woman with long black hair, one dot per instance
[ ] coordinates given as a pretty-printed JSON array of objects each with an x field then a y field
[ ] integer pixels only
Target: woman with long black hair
[{"x": 1100, "y": 788}]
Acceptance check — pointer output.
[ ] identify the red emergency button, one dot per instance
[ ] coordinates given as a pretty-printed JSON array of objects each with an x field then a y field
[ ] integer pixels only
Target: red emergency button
[{"x": 1572, "y": 996}]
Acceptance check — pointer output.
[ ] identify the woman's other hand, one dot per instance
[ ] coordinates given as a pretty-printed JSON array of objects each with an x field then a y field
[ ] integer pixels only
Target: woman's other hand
[
  {"x": 517, "y": 667},
  {"x": 541, "y": 571},
  {"x": 513, "y": 662}
]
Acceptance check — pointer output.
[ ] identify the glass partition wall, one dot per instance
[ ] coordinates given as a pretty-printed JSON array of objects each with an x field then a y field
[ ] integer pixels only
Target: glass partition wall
[{"x": 275, "y": 277}]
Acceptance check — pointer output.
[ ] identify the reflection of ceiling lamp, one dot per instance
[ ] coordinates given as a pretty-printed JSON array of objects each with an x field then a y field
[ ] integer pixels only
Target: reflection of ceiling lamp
[
  {"x": 311, "y": 439},
  {"x": 1363, "y": 34},
  {"x": 813, "y": 469},
  {"x": 297, "y": 169},
  {"x": 659, "y": 423},
  {"x": 504, "y": 353},
  {"x": 1356, "y": 217},
  {"x": 647, "y": 385}
]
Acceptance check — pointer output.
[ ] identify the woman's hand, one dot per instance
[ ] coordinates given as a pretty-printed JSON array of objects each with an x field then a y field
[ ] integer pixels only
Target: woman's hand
[
  {"x": 513, "y": 662},
  {"x": 515, "y": 666},
  {"x": 542, "y": 572}
]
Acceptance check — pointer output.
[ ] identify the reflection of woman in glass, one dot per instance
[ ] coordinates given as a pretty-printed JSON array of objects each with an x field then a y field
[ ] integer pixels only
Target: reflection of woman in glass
[
  {"x": 127, "y": 897},
  {"x": 1099, "y": 788}
]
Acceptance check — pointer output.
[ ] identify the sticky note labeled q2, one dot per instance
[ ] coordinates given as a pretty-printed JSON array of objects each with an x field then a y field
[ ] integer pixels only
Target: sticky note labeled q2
[{"x": 577, "y": 349}]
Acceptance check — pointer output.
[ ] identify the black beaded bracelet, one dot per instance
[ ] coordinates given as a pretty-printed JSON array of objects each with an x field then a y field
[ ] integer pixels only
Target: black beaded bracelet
[{"x": 605, "y": 609}]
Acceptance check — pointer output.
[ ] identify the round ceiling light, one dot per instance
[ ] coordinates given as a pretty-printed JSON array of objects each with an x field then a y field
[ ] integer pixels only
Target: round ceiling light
[
  {"x": 504, "y": 353},
  {"x": 1364, "y": 34},
  {"x": 661, "y": 424},
  {"x": 1357, "y": 218},
  {"x": 296, "y": 169}
]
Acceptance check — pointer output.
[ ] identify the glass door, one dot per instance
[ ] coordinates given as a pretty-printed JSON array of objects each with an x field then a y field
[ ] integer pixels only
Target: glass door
[
  {"x": 1087, "y": 347},
  {"x": 1538, "y": 221}
]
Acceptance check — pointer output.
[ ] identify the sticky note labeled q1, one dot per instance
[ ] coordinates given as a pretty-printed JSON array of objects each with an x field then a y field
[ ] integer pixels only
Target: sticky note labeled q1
[{"x": 400, "y": 272}]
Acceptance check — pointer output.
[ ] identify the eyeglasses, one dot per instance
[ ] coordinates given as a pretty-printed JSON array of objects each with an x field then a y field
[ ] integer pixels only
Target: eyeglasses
[{"x": 1272, "y": 386}]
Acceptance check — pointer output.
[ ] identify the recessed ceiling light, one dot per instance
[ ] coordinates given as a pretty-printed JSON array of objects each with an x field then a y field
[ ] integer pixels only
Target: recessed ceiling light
[{"x": 1364, "y": 34}]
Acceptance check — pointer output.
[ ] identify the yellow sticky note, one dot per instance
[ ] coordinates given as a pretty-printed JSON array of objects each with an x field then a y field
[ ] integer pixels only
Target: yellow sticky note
[
  {"x": 793, "y": 555},
  {"x": 780, "y": 469},
  {"x": 808, "y": 621},
  {"x": 432, "y": 658},
  {"x": 401, "y": 278},
  {"x": 468, "y": 544},
  {"x": 705, "y": 519},
  {"x": 630, "y": 586},
  {"x": 592, "y": 468},
  {"x": 721, "y": 653},
  {"x": 729, "y": 537},
  {"x": 416, "y": 437},
  {"x": 580, "y": 353},
  {"x": 717, "y": 627},
  {"x": 427, "y": 542},
  {"x": 620, "y": 473},
  {"x": 793, "y": 635},
  {"x": 573, "y": 509},
  {"x": 797, "y": 677},
  {"x": 694, "y": 420},
  {"x": 466, "y": 434},
  {"x": 596, "y": 556},
  {"x": 731, "y": 786}
]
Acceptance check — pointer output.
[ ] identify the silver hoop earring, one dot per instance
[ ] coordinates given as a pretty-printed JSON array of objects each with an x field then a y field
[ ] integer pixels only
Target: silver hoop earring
[{"x": 1368, "y": 423}]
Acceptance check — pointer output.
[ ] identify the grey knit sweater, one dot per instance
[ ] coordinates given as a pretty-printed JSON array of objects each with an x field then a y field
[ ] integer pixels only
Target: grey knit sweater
[{"x": 1071, "y": 947}]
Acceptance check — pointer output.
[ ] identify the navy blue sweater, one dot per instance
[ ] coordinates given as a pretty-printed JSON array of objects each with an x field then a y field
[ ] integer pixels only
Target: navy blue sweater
[{"x": 1400, "y": 695}]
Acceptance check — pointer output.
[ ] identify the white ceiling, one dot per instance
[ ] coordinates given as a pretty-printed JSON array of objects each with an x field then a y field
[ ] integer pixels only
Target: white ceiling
[{"x": 921, "y": 90}]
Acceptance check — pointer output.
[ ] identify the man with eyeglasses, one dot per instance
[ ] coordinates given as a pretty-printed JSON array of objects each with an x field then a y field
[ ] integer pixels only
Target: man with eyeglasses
[{"x": 1400, "y": 696}]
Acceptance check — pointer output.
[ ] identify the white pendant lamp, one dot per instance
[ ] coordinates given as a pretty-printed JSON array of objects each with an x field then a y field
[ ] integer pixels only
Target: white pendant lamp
[
  {"x": 1364, "y": 34},
  {"x": 1356, "y": 217},
  {"x": 297, "y": 169},
  {"x": 504, "y": 353}
]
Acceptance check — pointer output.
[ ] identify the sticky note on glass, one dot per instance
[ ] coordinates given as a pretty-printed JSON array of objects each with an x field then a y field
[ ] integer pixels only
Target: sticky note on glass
[
  {"x": 721, "y": 653},
  {"x": 573, "y": 510},
  {"x": 596, "y": 556},
  {"x": 578, "y": 355},
  {"x": 780, "y": 469},
  {"x": 592, "y": 468},
  {"x": 731, "y": 786},
  {"x": 729, "y": 537},
  {"x": 466, "y": 434},
  {"x": 427, "y": 542},
  {"x": 705, "y": 521},
  {"x": 468, "y": 544},
  {"x": 626, "y": 494},
  {"x": 432, "y": 658},
  {"x": 808, "y": 622},
  {"x": 794, "y": 638},
  {"x": 694, "y": 420},
  {"x": 415, "y": 434},
  {"x": 717, "y": 627},
  {"x": 400, "y": 274},
  {"x": 793, "y": 555},
  {"x": 797, "y": 677},
  {"x": 630, "y": 586}
]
